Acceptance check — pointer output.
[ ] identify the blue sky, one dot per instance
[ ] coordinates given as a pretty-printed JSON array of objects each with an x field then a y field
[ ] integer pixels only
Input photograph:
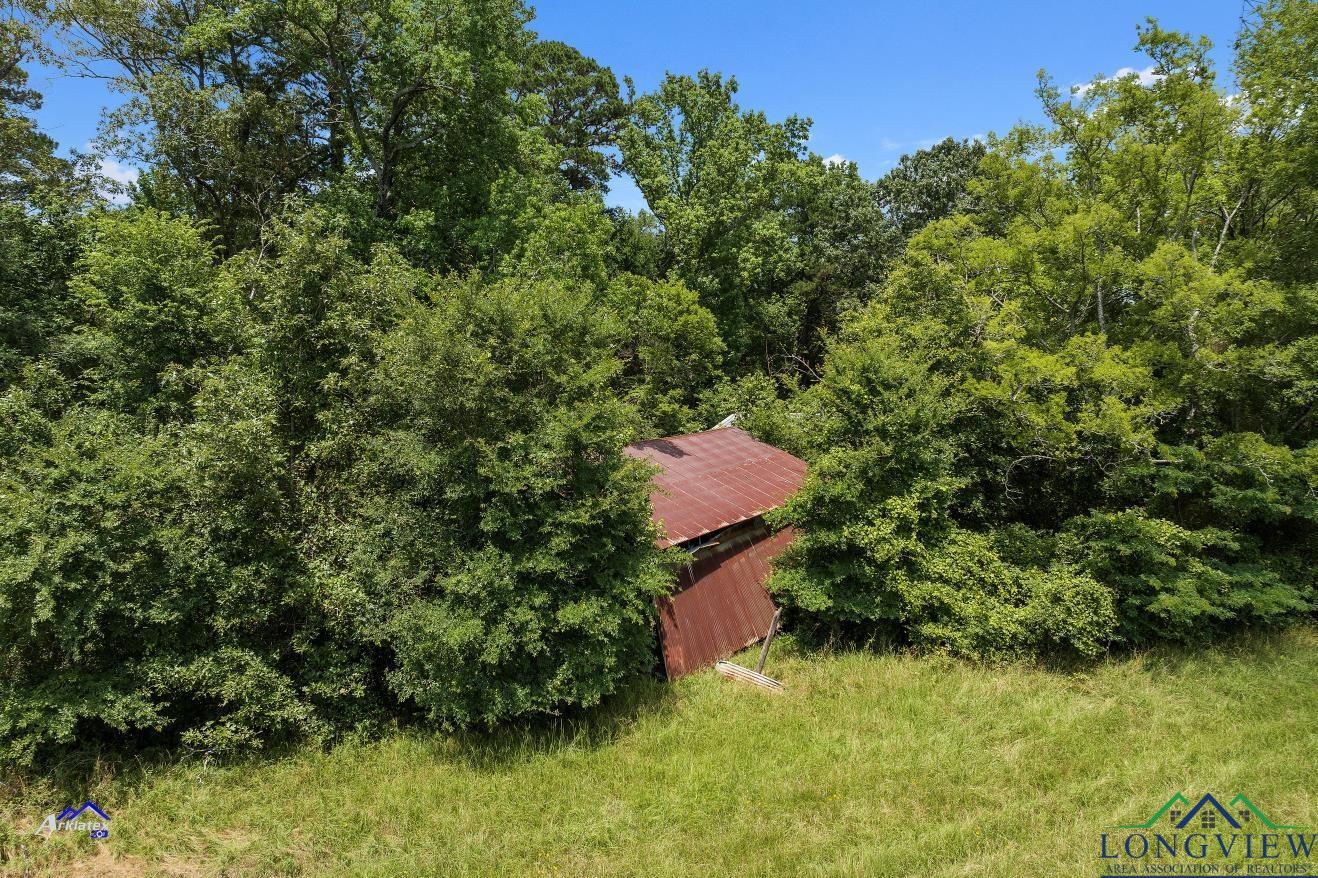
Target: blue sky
[{"x": 878, "y": 79}]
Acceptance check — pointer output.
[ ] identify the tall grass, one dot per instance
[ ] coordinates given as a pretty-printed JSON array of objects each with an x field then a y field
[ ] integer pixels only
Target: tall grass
[{"x": 868, "y": 765}]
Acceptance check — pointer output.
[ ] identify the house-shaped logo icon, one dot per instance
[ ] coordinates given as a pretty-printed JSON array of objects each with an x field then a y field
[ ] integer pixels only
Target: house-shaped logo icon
[
  {"x": 75, "y": 813},
  {"x": 1211, "y": 809},
  {"x": 1209, "y": 812}
]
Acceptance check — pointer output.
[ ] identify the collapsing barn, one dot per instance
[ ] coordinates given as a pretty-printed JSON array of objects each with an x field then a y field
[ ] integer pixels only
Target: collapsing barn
[{"x": 709, "y": 499}]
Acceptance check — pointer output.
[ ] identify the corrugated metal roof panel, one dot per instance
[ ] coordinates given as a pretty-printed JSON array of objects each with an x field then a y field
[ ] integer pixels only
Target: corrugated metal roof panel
[
  {"x": 715, "y": 479},
  {"x": 720, "y": 605}
]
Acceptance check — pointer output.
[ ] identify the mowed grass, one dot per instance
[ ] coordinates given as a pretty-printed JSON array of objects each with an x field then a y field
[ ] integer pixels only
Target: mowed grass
[{"x": 868, "y": 765}]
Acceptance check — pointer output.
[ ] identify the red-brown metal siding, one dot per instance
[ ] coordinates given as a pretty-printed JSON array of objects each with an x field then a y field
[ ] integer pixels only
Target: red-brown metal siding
[
  {"x": 715, "y": 479},
  {"x": 720, "y": 605}
]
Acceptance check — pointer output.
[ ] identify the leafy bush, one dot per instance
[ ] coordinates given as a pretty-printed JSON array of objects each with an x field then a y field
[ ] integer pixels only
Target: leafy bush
[
  {"x": 278, "y": 496},
  {"x": 963, "y": 597},
  {"x": 152, "y": 309},
  {"x": 673, "y": 350},
  {"x": 899, "y": 566},
  {"x": 1176, "y": 583},
  {"x": 144, "y": 587},
  {"x": 496, "y": 543}
]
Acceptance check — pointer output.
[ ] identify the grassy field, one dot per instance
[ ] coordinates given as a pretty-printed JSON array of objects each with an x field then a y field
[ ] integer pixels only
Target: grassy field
[{"x": 869, "y": 765}]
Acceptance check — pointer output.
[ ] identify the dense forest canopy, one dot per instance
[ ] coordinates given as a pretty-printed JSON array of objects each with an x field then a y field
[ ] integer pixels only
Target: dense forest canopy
[{"x": 324, "y": 426}]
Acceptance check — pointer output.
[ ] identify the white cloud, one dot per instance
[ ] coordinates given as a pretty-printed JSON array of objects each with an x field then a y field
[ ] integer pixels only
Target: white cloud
[
  {"x": 836, "y": 158},
  {"x": 1145, "y": 77},
  {"x": 889, "y": 144},
  {"x": 116, "y": 173}
]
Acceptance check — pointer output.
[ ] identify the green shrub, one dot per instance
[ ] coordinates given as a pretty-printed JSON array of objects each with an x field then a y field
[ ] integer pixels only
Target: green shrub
[
  {"x": 144, "y": 587},
  {"x": 1175, "y": 583},
  {"x": 673, "y": 351},
  {"x": 152, "y": 308},
  {"x": 900, "y": 565},
  {"x": 962, "y": 597},
  {"x": 486, "y": 532}
]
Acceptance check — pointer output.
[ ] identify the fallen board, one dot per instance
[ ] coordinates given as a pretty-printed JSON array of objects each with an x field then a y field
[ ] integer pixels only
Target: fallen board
[{"x": 746, "y": 675}]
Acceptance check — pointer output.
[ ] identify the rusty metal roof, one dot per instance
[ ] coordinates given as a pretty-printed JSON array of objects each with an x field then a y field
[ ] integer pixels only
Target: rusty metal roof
[
  {"x": 720, "y": 604},
  {"x": 714, "y": 479}
]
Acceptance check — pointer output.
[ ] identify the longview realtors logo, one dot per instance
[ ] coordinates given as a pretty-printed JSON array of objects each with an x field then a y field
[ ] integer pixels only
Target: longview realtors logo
[{"x": 1208, "y": 839}]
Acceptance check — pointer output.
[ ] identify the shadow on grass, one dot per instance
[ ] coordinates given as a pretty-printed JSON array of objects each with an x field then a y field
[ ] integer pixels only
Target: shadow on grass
[
  {"x": 639, "y": 700},
  {"x": 97, "y": 768}
]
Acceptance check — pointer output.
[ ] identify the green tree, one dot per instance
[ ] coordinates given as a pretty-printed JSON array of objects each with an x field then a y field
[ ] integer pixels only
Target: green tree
[
  {"x": 235, "y": 108},
  {"x": 1268, "y": 226},
  {"x": 154, "y": 313},
  {"x": 931, "y": 184},
  {"x": 486, "y": 530},
  {"x": 40, "y": 200},
  {"x": 149, "y": 582},
  {"x": 584, "y": 110},
  {"x": 672, "y": 353},
  {"x": 537, "y": 227},
  {"x": 316, "y": 311},
  {"x": 420, "y": 96},
  {"x": 882, "y": 549},
  {"x": 771, "y": 238},
  {"x": 222, "y": 117},
  {"x": 1125, "y": 396}
]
